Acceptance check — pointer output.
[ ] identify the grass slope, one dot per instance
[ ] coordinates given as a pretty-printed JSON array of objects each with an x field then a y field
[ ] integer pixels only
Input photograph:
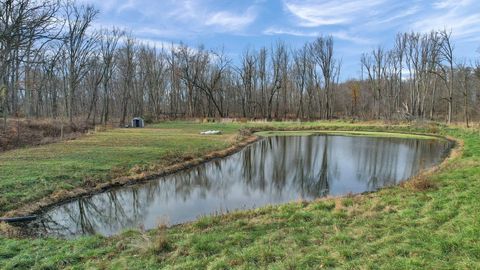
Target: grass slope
[
  {"x": 395, "y": 228},
  {"x": 32, "y": 173}
]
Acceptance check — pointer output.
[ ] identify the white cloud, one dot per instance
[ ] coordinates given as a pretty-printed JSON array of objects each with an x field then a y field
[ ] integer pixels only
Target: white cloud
[
  {"x": 158, "y": 44},
  {"x": 230, "y": 21},
  {"x": 198, "y": 14},
  {"x": 283, "y": 31},
  {"x": 462, "y": 19},
  {"x": 352, "y": 20},
  {"x": 389, "y": 19},
  {"x": 129, "y": 4},
  {"x": 342, "y": 35},
  {"x": 185, "y": 10},
  {"x": 450, "y": 3},
  {"x": 312, "y": 13},
  {"x": 175, "y": 18}
]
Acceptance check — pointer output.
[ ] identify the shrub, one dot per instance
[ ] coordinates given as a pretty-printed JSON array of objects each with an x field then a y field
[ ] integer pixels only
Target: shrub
[{"x": 420, "y": 184}]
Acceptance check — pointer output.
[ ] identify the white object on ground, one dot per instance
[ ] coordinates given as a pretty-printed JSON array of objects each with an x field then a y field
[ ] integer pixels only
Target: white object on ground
[{"x": 211, "y": 132}]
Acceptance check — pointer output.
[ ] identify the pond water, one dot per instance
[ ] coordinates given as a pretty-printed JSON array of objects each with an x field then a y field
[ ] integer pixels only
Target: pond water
[{"x": 273, "y": 170}]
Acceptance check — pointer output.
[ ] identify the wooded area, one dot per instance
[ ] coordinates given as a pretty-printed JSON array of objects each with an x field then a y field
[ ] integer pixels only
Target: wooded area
[{"x": 55, "y": 64}]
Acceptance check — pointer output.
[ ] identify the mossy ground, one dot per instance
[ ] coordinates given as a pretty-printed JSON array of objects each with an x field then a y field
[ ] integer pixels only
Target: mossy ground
[{"x": 395, "y": 228}]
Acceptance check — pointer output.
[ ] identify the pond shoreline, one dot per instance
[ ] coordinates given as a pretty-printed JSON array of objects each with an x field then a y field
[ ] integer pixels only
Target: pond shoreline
[
  {"x": 56, "y": 199},
  {"x": 61, "y": 197},
  {"x": 435, "y": 226}
]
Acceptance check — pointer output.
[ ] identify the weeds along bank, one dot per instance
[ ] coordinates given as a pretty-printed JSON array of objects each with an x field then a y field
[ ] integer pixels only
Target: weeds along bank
[{"x": 401, "y": 227}]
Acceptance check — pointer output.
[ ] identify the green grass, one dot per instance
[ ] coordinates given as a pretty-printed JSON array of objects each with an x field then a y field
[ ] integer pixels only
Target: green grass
[
  {"x": 395, "y": 228},
  {"x": 29, "y": 174}
]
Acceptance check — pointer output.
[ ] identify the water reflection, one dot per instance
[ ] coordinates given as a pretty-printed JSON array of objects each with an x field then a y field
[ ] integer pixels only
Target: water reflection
[{"x": 274, "y": 170}]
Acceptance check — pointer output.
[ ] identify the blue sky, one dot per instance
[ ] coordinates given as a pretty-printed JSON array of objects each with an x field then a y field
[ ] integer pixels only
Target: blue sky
[{"x": 356, "y": 25}]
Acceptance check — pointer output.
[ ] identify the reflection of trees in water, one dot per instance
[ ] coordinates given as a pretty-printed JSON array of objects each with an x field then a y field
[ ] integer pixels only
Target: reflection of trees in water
[
  {"x": 280, "y": 165},
  {"x": 322, "y": 184},
  {"x": 377, "y": 161},
  {"x": 387, "y": 161},
  {"x": 276, "y": 169},
  {"x": 109, "y": 211},
  {"x": 308, "y": 165}
]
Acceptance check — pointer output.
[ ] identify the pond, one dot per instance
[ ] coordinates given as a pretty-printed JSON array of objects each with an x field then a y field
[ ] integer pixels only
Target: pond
[{"x": 271, "y": 171}]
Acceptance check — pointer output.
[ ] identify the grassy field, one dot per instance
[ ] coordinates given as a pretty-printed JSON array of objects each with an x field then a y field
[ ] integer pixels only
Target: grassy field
[
  {"x": 395, "y": 228},
  {"x": 32, "y": 173}
]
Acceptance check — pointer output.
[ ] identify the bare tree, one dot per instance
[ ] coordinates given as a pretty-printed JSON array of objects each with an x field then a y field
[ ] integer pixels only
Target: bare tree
[
  {"x": 205, "y": 71},
  {"x": 127, "y": 76},
  {"x": 22, "y": 24},
  {"x": 448, "y": 73},
  {"x": 94, "y": 78},
  {"x": 322, "y": 50},
  {"x": 80, "y": 45},
  {"x": 92, "y": 75},
  {"x": 108, "y": 45},
  {"x": 153, "y": 76},
  {"x": 248, "y": 73},
  {"x": 464, "y": 79},
  {"x": 302, "y": 65},
  {"x": 278, "y": 64}
]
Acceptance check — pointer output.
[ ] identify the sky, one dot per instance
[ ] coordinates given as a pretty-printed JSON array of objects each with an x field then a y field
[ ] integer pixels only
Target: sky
[{"x": 357, "y": 26}]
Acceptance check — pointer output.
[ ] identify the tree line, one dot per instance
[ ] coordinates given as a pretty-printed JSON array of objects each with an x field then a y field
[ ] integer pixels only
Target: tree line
[{"x": 55, "y": 64}]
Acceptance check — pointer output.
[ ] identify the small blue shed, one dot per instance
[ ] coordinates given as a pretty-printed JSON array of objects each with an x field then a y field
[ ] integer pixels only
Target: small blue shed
[{"x": 138, "y": 122}]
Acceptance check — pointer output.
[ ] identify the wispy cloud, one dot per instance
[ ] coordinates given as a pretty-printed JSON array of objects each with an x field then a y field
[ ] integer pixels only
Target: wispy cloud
[
  {"x": 204, "y": 16},
  {"x": 315, "y": 13},
  {"x": 451, "y": 3},
  {"x": 390, "y": 20},
  {"x": 159, "y": 44},
  {"x": 271, "y": 31},
  {"x": 356, "y": 25},
  {"x": 342, "y": 35},
  {"x": 230, "y": 21},
  {"x": 460, "y": 16},
  {"x": 177, "y": 18},
  {"x": 129, "y": 4}
]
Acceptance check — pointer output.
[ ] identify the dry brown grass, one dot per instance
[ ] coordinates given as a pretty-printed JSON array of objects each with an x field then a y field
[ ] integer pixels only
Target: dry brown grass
[
  {"x": 157, "y": 243},
  {"x": 9, "y": 230},
  {"x": 161, "y": 242},
  {"x": 28, "y": 132},
  {"x": 100, "y": 129},
  {"x": 424, "y": 181},
  {"x": 421, "y": 183},
  {"x": 338, "y": 204}
]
